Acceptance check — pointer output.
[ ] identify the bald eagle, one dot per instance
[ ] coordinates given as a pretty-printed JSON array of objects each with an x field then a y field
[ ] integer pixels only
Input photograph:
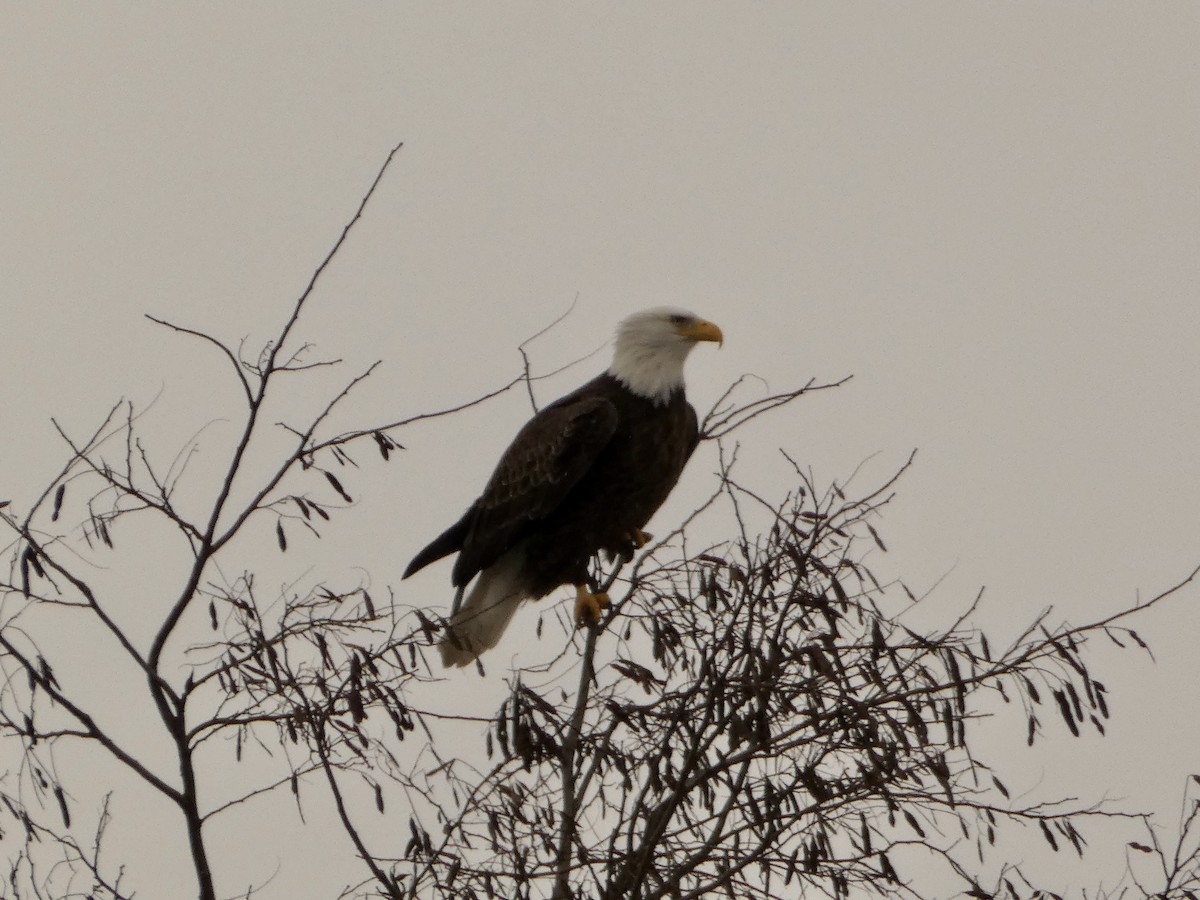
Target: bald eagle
[{"x": 583, "y": 476}]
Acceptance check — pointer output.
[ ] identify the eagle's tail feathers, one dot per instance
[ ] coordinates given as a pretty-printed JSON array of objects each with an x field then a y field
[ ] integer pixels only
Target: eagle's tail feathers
[{"x": 480, "y": 622}]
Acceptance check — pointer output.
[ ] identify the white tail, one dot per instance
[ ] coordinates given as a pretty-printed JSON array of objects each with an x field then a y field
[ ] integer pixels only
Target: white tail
[{"x": 480, "y": 622}]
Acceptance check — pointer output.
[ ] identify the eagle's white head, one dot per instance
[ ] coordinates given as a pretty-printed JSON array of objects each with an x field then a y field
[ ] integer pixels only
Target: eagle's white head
[{"x": 652, "y": 346}]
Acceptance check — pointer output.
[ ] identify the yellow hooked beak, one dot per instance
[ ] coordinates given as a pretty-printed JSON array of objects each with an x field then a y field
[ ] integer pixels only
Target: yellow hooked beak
[{"x": 703, "y": 331}]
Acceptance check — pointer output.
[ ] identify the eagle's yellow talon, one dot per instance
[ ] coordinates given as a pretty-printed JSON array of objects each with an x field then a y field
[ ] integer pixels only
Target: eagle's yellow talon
[
  {"x": 589, "y": 607},
  {"x": 640, "y": 538}
]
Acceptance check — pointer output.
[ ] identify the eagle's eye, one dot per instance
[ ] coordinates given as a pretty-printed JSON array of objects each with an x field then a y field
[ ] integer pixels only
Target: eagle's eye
[{"x": 679, "y": 321}]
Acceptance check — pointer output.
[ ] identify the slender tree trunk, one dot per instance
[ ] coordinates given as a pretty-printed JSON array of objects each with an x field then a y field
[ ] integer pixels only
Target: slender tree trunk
[
  {"x": 570, "y": 757},
  {"x": 191, "y": 814}
]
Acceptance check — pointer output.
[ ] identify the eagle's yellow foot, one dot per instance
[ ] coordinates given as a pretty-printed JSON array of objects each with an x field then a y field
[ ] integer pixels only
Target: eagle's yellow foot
[
  {"x": 640, "y": 538},
  {"x": 589, "y": 607}
]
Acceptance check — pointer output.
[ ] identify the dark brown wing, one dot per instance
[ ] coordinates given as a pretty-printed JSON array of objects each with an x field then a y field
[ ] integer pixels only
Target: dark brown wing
[
  {"x": 541, "y": 465},
  {"x": 544, "y": 461}
]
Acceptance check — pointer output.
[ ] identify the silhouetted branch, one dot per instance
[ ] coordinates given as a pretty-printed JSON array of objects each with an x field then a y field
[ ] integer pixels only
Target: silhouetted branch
[
  {"x": 44, "y": 577},
  {"x": 320, "y": 270},
  {"x": 723, "y": 417},
  {"x": 208, "y": 338}
]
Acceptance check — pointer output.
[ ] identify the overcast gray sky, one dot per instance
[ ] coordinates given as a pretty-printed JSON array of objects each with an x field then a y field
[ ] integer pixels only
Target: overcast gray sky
[{"x": 988, "y": 213}]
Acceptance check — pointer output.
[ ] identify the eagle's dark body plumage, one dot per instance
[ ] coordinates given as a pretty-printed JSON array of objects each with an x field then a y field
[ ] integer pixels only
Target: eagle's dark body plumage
[{"x": 583, "y": 476}]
